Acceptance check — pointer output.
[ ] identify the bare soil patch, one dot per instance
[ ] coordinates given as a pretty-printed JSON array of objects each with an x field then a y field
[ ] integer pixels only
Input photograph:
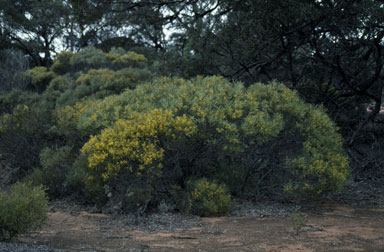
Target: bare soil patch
[{"x": 331, "y": 226}]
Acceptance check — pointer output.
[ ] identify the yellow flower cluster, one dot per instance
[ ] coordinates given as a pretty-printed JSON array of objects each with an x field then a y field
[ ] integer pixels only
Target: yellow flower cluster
[{"x": 133, "y": 144}]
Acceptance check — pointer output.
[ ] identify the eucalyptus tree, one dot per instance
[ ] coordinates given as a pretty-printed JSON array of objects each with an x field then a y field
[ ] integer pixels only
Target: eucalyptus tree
[{"x": 34, "y": 26}]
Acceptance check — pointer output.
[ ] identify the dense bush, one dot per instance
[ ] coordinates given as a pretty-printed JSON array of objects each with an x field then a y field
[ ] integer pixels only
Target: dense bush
[
  {"x": 207, "y": 198},
  {"x": 91, "y": 73},
  {"x": 93, "y": 58},
  {"x": 23, "y": 134},
  {"x": 33, "y": 120},
  {"x": 55, "y": 166},
  {"x": 23, "y": 209},
  {"x": 40, "y": 77},
  {"x": 9, "y": 100},
  {"x": 170, "y": 130},
  {"x": 134, "y": 138}
]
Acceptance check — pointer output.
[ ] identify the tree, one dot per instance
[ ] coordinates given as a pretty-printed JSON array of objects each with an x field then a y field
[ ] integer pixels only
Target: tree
[
  {"x": 13, "y": 64},
  {"x": 34, "y": 26},
  {"x": 330, "y": 51}
]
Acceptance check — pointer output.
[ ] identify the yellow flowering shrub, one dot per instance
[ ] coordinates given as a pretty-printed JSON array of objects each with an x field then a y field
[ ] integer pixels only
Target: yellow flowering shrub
[
  {"x": 127, "y": 58},
  {"x": 174, "y": 129},
  {"x": 134, "y": 144}
]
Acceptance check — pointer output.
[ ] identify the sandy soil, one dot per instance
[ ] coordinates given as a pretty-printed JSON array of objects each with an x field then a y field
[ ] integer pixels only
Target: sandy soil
[{"x": 330, "y": 227}]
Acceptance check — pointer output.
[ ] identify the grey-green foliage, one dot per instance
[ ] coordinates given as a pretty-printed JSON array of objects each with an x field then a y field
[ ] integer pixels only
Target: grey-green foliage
[
  {"x": 298, "y": 219},
  {"x": 12, "y": 66},
  {"x": 23, "y": 208},
  {"x": 55, "y": 165},
  {"x": 24, "y": 132},
  {"x": 10, "y": 99},
  {"x": 92, "y": 73},
  {"x": 88, "y": 58},
  {"x": 207, "y": 198}
]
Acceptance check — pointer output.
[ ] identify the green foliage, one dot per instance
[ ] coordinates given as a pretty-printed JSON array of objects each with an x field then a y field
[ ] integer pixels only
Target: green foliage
[
  {"x": 9, "y": 100},
  {"x": 23, "y": 134},
  {"x": 93, "y": 58},
  {"x": 105, "y": 79},
  {"x": 88, "y": 58},
  {"x": 207, "y": 198},
  {"x": 23, "y": 209},
  {"x": 55, "y": 165},
  {"x": 32, "y": 121},
  {"x": 77, "y": 175},
  {"x": 59, "y": 92},
  {"x": 91, "y": 74},
  {"x": 62, "y": 63},
  {"x": 298, "y": 219},
  {"x": 172, "y": 130},
  {"x": 137, "y": 198},
  {"x": 40, "y": 77},
  {"x": 121, "y": 58}
]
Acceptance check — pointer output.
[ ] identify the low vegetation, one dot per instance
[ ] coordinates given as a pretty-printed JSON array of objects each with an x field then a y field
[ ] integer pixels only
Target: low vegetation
[
  {"x": 23, "y": 208},
  {"x": 102, "y": 126}
]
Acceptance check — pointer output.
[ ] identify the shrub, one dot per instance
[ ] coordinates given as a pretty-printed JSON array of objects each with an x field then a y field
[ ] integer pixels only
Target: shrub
[
  {"x": 33, "y": 121},
  {"x": 170, "y": 130},
  {"x": 88, "y": 58},
  {"x": 62, "y": 64},
  {"x": 77, "y": 174},
  {"x": 9, "y": 100},
  {"x": 299, "y": 220},
  {"x": 23, "y": 134},
  {"x": 55, "y": 165},
  {"x": 93, "y": 58},
  {"x": 208, "y": 198},
  {"x": 109, "y": 80},
  {"x": 40, "y": 77},
  {"x": 23, "y": 209},
  {"x": 60, "y": 92},
  {"x": 126, "y": 58}
]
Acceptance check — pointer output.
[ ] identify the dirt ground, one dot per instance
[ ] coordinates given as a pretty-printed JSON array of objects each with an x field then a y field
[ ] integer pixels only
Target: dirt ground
[{"x": 331, "y": 226}]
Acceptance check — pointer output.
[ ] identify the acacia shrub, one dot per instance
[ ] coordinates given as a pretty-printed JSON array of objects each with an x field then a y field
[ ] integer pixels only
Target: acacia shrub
[
  {"x": 93, "y": 58},
  {"x": 55, "y": 165},
  {"x": 11, "y": 99},
  {"x": 22, "y": 209},
  {"x": 171, "y": 130},
  {"x": 23, "y": 134},
  {"x": 43, "y": 118},
  {"x": 40, "y": 77},
  {"x": 206, "y": 198},
  {"x": 93, "y": 74}
]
